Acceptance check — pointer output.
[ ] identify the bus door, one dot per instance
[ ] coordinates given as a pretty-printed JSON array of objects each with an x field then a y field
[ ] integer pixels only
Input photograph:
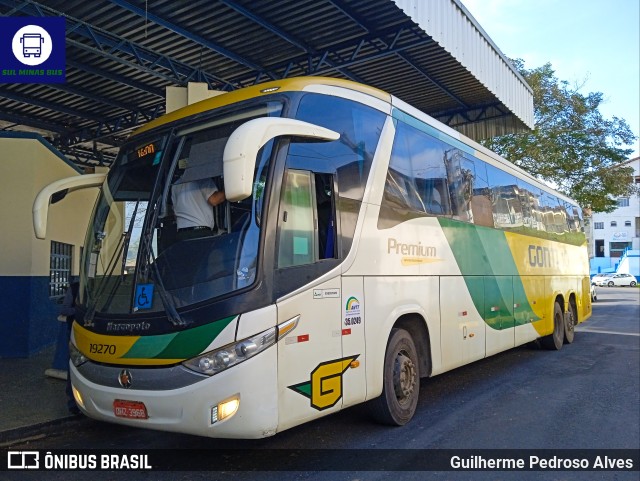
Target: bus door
[
  {"x": 310, "y": 361},
  {"x": 354, "y": 385},
  {"x": 310, "y": 358}
]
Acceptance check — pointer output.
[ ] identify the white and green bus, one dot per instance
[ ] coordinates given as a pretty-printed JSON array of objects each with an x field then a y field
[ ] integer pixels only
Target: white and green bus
[{"x": 362, "y": 246}]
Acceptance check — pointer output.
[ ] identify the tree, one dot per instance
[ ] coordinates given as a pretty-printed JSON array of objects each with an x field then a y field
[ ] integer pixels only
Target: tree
[{"x": 572, "y": 146}]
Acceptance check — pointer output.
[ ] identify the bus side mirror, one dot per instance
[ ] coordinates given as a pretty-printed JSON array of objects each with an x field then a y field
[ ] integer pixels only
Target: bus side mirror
[
  {"x": 55, "y": 192},
  {"x": 241, "y": 150}
]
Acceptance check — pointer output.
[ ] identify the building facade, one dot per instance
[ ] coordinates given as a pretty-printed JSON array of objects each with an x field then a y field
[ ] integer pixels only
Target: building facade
[
  {"x": 34, "y": 273},
  {"x": 615, "y": 233}
]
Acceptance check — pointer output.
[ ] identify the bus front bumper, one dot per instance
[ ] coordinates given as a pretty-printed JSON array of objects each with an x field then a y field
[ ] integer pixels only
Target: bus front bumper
[{"x": 189, "y": 409}]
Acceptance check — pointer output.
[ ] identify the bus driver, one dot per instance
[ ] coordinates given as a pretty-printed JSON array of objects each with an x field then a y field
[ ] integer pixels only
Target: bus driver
[{"x": 193, "y": 204}]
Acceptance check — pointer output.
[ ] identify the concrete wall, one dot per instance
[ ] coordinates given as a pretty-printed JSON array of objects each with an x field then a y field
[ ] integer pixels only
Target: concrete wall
[
  {"x": 27, "y": 315},
  {"x": 630, "y": 263}
]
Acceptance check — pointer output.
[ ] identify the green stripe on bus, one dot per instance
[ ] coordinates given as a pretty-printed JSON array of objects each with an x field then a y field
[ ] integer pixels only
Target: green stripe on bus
[
  {"x": 181, "y": 345},
  {"x": 490, "y": 273},
  {"x": 193, "y": 342},
  {"x": 148, "y": 347}
]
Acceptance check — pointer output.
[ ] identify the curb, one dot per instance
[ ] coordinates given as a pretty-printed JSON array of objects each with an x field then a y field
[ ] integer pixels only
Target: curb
[{"x": 36, "y": 431}]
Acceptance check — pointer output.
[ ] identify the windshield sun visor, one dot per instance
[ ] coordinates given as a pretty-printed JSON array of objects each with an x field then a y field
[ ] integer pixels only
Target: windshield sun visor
[{"x": 205, "y": 161}]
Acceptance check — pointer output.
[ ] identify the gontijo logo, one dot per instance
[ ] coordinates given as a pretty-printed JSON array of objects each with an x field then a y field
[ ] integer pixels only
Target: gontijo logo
[
  {"x": 324, "y": 389},
  {"x": 542, "y": 256},
  {"x": 32, "y": 49}
]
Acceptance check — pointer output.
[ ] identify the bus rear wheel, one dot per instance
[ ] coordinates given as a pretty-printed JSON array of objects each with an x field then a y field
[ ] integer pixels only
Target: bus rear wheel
[
  {"x": 401, "y": 381},
  {"x": 555, "y": 340},
  {"x": 570, "y": 322}
]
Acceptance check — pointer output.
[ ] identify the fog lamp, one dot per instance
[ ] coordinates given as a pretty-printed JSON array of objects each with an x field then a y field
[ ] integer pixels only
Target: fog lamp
[
  {"x": 78, "y": 397},
  {"x": 225, "y": 409}
]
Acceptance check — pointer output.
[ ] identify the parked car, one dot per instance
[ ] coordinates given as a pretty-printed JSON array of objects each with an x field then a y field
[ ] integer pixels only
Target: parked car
[
  {"x": 602, "y": 281},
  {"x": 594, "y": 293},
  {"x": 597, "y": 277},
  {"x": 617, "y": 280}
]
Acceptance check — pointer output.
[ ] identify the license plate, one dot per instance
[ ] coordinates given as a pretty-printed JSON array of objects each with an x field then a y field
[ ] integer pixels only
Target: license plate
[{"x": 129, "y": 409}]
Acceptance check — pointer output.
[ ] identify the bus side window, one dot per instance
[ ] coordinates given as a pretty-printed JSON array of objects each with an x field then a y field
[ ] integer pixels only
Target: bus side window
[
  {"x": 477, "y": 188},
  {"x": 326, "y": 216},
  {"x": 306, "y": 225}
]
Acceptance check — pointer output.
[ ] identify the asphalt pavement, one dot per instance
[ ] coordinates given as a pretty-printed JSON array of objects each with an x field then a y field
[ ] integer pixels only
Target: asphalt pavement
[{"x": 31, "y": 402}]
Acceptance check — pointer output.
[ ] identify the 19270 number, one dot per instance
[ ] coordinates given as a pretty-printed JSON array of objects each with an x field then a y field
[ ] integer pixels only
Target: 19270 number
[{"x": 102, "y": 349}]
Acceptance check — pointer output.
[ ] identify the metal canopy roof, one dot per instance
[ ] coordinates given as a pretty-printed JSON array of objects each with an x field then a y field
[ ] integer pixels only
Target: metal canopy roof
[{"x": 122, "y": 54}]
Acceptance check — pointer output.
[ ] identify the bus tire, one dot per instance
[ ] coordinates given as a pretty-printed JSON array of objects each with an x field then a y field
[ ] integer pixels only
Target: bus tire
[
  {"x": 570, "y": 322},
  {"x": 401, "y": 382},
  {"x": 554, "y": 341}
]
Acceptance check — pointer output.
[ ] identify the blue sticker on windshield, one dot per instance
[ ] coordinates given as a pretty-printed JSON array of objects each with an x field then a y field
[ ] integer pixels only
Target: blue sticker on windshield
[
  {"x": 144, "y": 296},
  {"x": 156, "y": 159}
]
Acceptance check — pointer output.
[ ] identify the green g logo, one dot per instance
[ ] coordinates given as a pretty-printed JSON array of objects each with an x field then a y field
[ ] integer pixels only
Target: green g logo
[{"x": 325, "y": 388}]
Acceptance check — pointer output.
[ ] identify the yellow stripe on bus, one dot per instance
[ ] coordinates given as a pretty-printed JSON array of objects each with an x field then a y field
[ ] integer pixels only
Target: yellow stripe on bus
[
  {"x": 542, "y": 265},
  {"x": 240, "y": 95},
  {"x": 110, "y": 349}
]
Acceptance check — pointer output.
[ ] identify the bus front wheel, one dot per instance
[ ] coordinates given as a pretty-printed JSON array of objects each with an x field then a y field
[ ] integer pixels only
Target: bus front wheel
[
  {"x": 555, "y": 340},
  {"x": 401, "y": 381}
]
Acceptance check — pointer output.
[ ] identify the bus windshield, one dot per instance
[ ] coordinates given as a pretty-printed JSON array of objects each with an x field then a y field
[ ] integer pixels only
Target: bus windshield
[{"x": 138, "y": 257}]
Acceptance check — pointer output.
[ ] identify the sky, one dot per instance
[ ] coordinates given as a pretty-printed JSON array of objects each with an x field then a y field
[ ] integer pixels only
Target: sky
[{"x": 590, "y": 42}]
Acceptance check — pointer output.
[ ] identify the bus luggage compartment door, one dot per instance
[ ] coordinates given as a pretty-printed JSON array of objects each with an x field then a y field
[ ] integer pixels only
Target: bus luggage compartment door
[
  {"x": 463, "y": 329},
  {"x": 498, "y": 313}
]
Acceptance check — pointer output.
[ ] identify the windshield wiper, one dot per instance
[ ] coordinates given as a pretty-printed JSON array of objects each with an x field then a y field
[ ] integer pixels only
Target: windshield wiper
[
  {"x": 111, "y": 265},
  {"x": 143, "y": 272},
  {"x": 127, "y": 239},
  {"x": 121, "y": 249}
]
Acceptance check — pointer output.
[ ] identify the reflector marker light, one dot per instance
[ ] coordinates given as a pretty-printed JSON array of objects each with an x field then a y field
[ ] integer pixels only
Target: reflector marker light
[
  {"x": 297, "y": 339},
  {"x": 287, "y": 326},
  {"x": 78, "y": 397}
]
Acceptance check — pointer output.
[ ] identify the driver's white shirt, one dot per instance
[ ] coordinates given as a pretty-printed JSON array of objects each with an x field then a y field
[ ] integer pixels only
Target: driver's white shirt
[{"x": 190, "y": 203}]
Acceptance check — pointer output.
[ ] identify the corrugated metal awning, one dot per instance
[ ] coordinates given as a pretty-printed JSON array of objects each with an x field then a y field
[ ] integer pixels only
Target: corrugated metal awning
[{"x": 121, "y": 54}]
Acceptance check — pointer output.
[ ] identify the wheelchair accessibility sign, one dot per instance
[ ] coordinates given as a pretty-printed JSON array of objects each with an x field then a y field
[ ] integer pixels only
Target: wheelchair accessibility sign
[{"x": 144, "y": 297}]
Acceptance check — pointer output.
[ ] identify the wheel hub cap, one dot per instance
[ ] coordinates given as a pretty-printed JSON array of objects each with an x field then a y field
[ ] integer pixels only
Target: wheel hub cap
[{"x": 404, "y": 377}]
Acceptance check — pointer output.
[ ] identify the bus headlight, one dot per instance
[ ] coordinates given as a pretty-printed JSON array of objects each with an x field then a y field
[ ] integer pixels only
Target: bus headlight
[
  {"x": 77, "y": 358},
  {"x": 225, "y": 357}
]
